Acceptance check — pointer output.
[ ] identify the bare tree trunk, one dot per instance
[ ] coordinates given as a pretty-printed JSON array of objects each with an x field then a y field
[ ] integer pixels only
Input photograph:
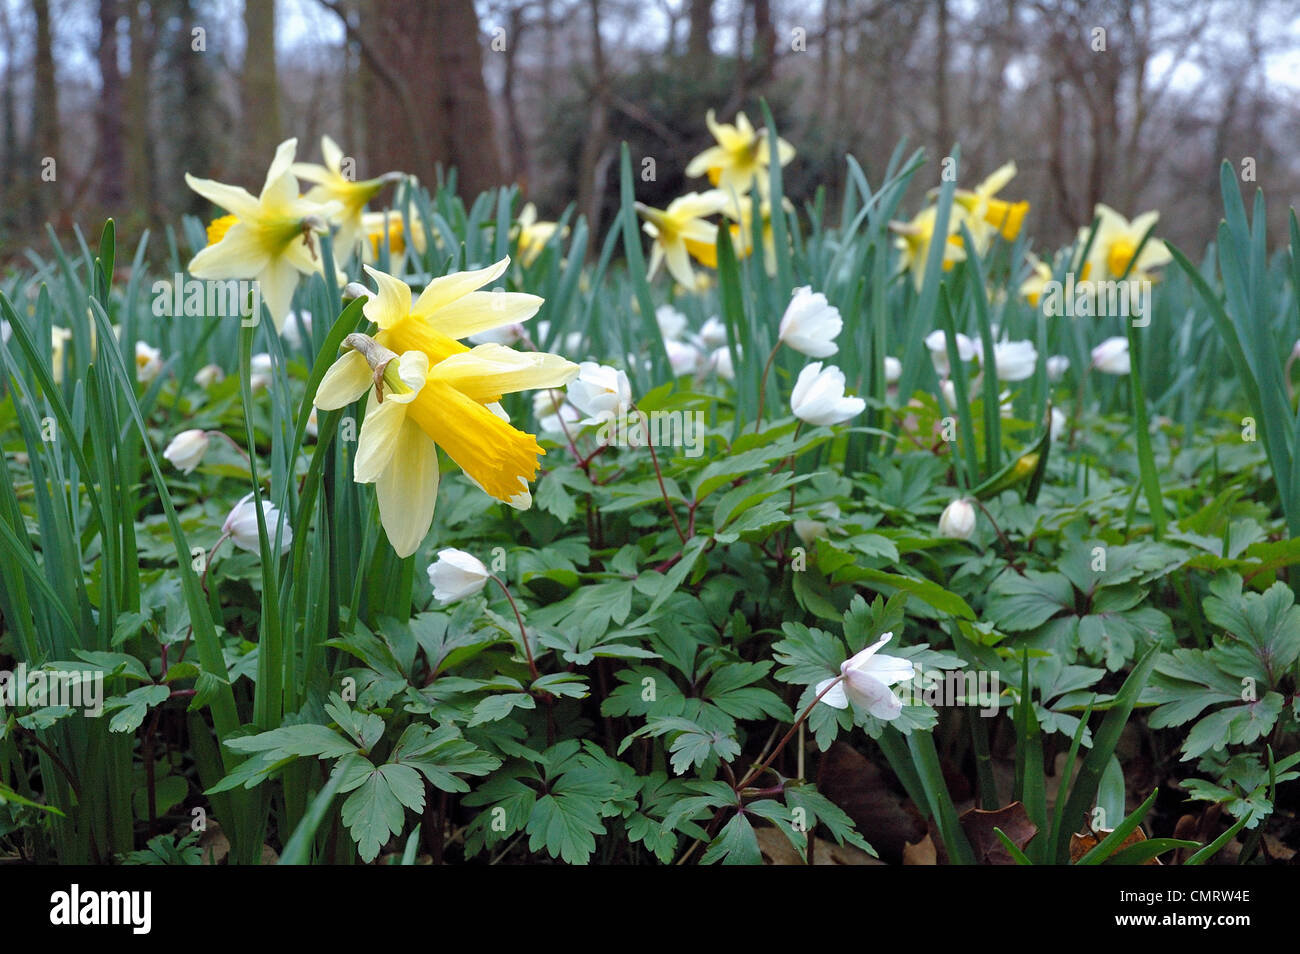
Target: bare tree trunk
[
  {"x": 112, "y": 164},
  {"x": 764, "y": 55},
  {"x": 45, "y": 119},
  {"x": 423, "y": 57},
  {"x": 11, "y": 150},
  {"x": 943, "y": 125},
  {"x": 259, "y": 89},
  {"x": 518, "y": 142},
  {"x": 699, "y": 48},
  {"x": 589, "y": 190},
  {"x": 140, "y": 164},
  {"x": 470, "y": 131}
]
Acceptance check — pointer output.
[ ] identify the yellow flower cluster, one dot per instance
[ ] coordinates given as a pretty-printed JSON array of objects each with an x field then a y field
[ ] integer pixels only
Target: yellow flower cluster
[
  {"x": 980, "y": 210},
  {"x": 739, "y": 162}
]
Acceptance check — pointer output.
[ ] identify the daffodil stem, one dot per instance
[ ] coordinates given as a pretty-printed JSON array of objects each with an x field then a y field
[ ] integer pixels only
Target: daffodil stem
[
  {"x": 654, "y": 458},
  {"x": 762, "y": 766},
  {"x": 523, "y": 633},
  {"x": 762, "y": 387}
]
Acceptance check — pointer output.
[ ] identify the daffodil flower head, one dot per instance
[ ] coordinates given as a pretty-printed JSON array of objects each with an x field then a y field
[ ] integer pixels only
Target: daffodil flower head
[
  {"x": 533, "y": 235},
  {"x": 865, "y": 681},
  {"x": 914, "y": 242},
  {"x": 1006, "y": 218},
  {"x": 742, "y": 155},
  {"x": 1116, "y": 243},
  {"x": 680, "y": 231},
  {"x": 390, "y": 229},
  {"x": 1031, "y": 289},
  {"x": 439, "y": 395},
  {"x": 269, "y": 238},
  {"x": 334, "y": 183}
]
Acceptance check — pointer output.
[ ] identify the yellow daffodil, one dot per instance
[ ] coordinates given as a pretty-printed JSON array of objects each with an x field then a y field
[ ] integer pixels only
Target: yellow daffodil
[
  {"x": 914, "y": 242},
  {"x": 741, "y": 156},
  {"x": 533, "y": 235},
  {"x": 987, "y": 213},
  {"x": 680, "y": 231},
  {"x": 1031, "y": 289},
  {"x": 388, "y": 227},
  {"x": 270, "y": 238},
  {"x": 741, "y": 212},
  {"x": 1116, "y": 243},
  {"x": 333, "y": 184},
  {"x": 441, "y": 396}
]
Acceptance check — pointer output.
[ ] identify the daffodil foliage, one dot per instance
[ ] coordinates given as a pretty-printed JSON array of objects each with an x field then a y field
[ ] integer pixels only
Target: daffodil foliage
[{"x": 491, "y": 539}]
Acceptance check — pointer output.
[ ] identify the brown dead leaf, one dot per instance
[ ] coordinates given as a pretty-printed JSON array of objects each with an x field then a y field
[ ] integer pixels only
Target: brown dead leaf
[
  {"x": 1014, "y": 822},
  {"x": 1081, "y": 844},
  {"x": 884, "y": 817},
  {"x": 1277, "y": 850},
  {"x": 214, "y": 843},
  {"x": 922, "y": 853},
  {"x": 777, "y": 850}
]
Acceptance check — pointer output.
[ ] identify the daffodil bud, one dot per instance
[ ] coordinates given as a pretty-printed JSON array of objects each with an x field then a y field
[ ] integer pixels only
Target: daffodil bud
[{"x": 355, "y": 290}]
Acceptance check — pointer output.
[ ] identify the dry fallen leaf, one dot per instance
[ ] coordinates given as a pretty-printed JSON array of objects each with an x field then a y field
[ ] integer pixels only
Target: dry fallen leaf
[
  {"x": 922, "y": 853},
  {"x": 885, "y": 818},
  {"x": 777, "y": 850},
  {"x": 214, "y": 843},
  {"x": 1081, "y": 844},
  {"x": 1014, "y": 822}
]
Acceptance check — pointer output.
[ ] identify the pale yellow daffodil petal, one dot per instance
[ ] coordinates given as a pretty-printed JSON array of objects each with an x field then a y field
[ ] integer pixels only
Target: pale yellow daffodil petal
[
  {"x": 483, "y": 311},
  {"x": 489, "y": 370},
  {"x": 392, "y": 304},
  {"x": 447, "y": 289},
  {"x": 346, "y": 380},
  {"x": 378, "y": 439},
  {"x": 234, "y": 199},
  {"x": 407, "y": 490},
  {"x": 240, "y": 254}
]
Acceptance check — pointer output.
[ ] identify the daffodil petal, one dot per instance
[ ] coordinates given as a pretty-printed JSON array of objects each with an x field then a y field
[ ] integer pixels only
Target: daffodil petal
[
  {"x": 235, "y": 200},
  {"x": 490, "y": 370},
  {"x": 483, "y": 311},
  {"x": 346, "y": 380},
  {"x": 408, "y": 490},
  {"x": 239, "y": 254},
  {"x": 393, "y": 302},
  {"x": 378, "y": 439},
  {"x": 449, "y": 288},
  {"x": 281, "y": 166},
  {"x": 278, "y": 281}
]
